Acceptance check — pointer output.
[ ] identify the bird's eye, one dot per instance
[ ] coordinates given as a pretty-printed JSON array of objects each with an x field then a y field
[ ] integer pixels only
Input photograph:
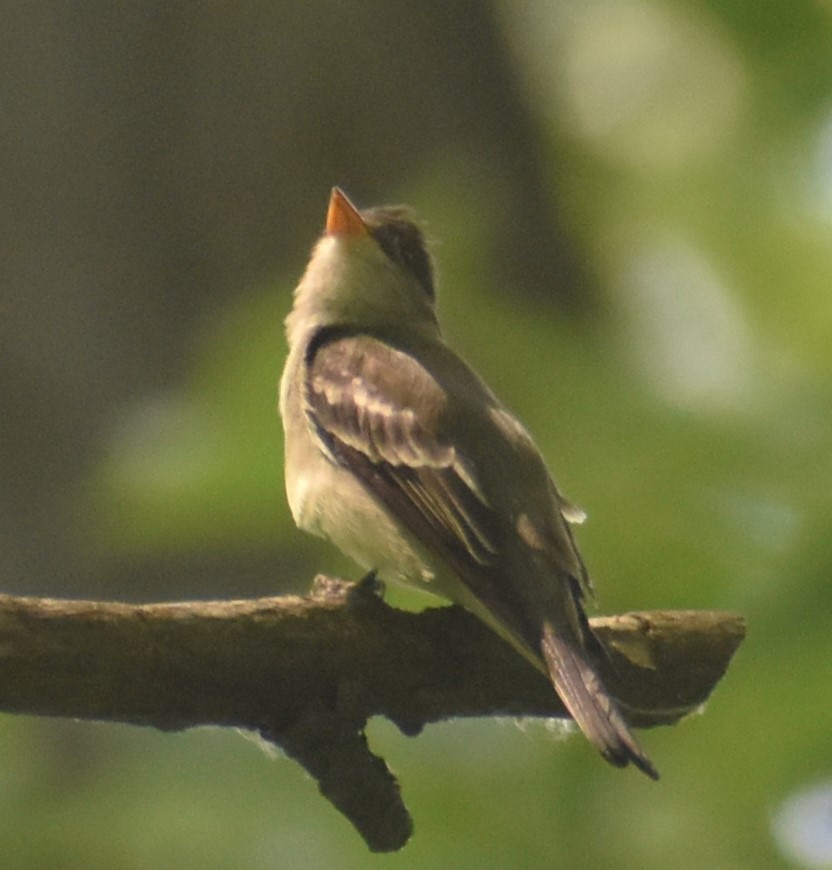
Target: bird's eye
[{"x": 404, "y": 243}]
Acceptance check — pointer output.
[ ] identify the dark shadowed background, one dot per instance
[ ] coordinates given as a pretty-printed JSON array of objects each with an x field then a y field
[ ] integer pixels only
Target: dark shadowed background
[{"x": 633, "y": 208}]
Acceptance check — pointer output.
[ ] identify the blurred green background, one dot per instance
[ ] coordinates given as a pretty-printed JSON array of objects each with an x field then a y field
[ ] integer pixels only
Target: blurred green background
[{"x": 634, "y": 202}]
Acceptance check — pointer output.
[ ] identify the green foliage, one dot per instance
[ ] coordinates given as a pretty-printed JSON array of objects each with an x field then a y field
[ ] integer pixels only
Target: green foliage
[{"x": 201, "y": 469}]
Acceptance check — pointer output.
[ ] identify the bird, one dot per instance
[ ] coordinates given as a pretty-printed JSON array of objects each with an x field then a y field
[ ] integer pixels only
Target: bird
[{"x": 398, "y": 453}]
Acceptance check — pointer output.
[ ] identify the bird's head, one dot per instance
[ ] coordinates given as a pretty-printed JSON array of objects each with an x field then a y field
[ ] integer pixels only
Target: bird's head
[{"x": 370, "y": 269}]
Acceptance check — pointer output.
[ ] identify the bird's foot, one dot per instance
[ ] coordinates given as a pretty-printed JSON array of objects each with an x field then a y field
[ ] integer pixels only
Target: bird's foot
[{"x": 369, "y": 586}]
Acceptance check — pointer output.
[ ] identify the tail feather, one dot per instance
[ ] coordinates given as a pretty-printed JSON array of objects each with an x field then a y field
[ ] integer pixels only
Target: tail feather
[{"x": 591, "y": 705}]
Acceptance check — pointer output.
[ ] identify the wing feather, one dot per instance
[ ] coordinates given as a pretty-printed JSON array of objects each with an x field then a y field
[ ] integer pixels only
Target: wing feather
[{"x": 380, "y": 413}]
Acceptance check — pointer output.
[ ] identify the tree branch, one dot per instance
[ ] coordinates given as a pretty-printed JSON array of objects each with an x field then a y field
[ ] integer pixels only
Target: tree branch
[{"x": 307, "y": 673}]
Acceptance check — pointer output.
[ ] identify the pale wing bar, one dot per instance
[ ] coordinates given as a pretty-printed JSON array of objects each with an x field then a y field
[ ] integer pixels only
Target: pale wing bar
[{"x": 379, "y": 413}]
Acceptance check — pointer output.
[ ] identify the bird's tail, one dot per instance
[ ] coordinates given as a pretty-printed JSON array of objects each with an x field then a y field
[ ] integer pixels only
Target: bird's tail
[{"x": 590, "y": 704}]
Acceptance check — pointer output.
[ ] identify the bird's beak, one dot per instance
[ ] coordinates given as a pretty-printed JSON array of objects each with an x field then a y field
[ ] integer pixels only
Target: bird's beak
[{"x": 343, "y": 218}]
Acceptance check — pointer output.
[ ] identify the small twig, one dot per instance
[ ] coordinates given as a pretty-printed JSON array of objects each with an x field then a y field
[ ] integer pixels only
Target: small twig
[{"x": 308, "y": 673}]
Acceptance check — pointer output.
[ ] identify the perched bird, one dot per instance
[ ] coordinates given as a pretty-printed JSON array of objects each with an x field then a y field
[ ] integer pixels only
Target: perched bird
[{"x": 398, "y": 453}]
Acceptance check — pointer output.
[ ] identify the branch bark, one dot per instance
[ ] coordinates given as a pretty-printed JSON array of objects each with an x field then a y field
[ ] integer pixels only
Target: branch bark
[{"x": 308, "y": 672}]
